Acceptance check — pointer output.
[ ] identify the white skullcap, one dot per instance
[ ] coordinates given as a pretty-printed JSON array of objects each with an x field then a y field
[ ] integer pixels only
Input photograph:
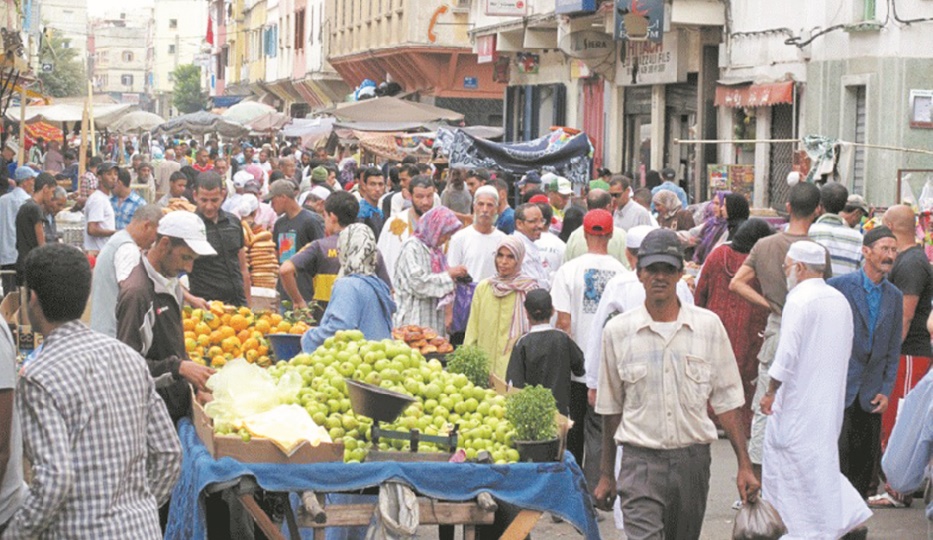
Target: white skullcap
[
  {"x": 248, "y": 204},
  {"x": 793, "y": 178},
  {"x": 487, "y": 190},
  {"x": 241, "y": 178},
  {"x": 320, "y": 192},
  {"x": 807, "y": 252},
  {"x": 635, "y": 235}
]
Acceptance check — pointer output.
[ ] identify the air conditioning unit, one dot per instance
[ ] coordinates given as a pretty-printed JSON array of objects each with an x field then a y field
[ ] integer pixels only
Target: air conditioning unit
[{"x": 460, "y": 6}]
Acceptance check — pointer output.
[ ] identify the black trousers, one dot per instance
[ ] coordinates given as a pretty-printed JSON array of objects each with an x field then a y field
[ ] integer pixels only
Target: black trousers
[
  {"x": 859, "y": 447},
  {"x": 9, "y": 278},
  {"x": 576, "y": 435}
]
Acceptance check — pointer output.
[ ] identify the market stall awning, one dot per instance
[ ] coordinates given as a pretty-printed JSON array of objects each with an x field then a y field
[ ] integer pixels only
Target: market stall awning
[
  {"x": 755, "y": 95},
  {"x": 137, "y": 121},
  {"x": 202, "y": 123},
  {"x": 44, "y": 130},
  {"x": 104, "y": 115},
  {"x": 245, "y": 112},
  {"x": 391, "y": 109}
]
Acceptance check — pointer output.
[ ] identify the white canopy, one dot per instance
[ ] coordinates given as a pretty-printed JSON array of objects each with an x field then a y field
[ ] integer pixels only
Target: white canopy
[{"x": 104, "y": 115}]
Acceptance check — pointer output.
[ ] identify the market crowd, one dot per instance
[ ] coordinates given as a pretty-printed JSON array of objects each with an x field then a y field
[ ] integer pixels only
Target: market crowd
[{"x": 659, "y": 325}]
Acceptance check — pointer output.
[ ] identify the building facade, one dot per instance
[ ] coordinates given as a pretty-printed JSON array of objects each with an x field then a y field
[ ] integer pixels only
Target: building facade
[
  {"x": 120, "y": 57},
  {"x": 68, "y": 17},
  {"x": 178, "y": 29}
]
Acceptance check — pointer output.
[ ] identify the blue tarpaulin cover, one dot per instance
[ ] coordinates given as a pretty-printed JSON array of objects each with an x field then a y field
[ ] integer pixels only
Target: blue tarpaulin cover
[{"x": 558, "y": 488}]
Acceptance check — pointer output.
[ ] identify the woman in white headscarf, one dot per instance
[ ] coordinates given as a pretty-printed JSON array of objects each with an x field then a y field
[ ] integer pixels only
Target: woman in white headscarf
[{"x": 359, "y": 300}]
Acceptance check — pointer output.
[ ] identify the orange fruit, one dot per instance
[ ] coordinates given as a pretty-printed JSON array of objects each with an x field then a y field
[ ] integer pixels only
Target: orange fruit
[
  {"x": 263, "y": 326},
  {"x": 275, "y": 319},
  {"x": 238, "y": 322},
  {"x": 217, "y": 307},
  {"x": 214, "y": 322},
  {"x": 215, "y": 351},
  {"x": 202, "y": 329},
  {"x": 190, "y": 344},
  {"x": 263, "y": 349},
  {"x": 264, "y": 361},
  {"x": 216, "y": 337},
  {"x": 227, "y": 332},
  {"x": 204, "y": 340},
  {"x": 243, "y": 335},
  {"x": 218, "y": 361},
  {"x": 225, "y": 318},
  {"x": 283, "y": 327},
  {"x": 298, "y": 329},
  {"x": 245, "y": 311},
  {"x": 189, "y": 324},
  {"x": 250, "y": 344},
  {"x": 230, "y": 344},
  {"x": 191, "y": 335},
  {"x": 252, "y": 356}
]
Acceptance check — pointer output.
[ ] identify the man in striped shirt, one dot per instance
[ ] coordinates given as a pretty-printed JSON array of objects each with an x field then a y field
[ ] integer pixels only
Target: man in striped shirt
[
  {"x": 104, "y": 453},
  {"x": 833, "y": 233}
]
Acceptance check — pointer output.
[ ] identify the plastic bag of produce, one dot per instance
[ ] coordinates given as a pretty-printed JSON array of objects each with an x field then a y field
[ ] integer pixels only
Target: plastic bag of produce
[
  {"x": 242, "y": 389},
  {"x": 758, "y": 521},
  {"x": 287, "y": 426}
]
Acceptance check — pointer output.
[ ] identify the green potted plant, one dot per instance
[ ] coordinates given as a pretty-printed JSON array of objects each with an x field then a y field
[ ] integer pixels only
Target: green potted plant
[
  {"x": 533, "y": 413},
  {"x": 472, "y": 362}
]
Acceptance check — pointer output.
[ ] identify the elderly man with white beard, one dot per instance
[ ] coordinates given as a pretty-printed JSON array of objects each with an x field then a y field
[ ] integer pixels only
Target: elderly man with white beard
[{"x": 805, "y": 402}]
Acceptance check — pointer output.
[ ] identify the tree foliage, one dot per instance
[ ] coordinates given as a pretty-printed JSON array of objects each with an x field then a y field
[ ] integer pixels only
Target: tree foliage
[
  {"x": 67, "y": 77},
  {"x": 188, "y": 96}
]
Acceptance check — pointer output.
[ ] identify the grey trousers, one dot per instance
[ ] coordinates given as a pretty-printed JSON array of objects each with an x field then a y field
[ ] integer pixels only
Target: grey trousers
[
  {"x": 592, "y": 446},
  {"x": 663, "y": 492}
]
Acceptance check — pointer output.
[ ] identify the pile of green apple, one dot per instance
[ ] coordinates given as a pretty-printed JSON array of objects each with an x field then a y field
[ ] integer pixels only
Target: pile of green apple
[{"x": 443, "y": 399}]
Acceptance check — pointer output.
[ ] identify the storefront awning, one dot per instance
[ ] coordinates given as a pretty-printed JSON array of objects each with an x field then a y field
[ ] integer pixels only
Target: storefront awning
[{"x": 755, "y": 95}]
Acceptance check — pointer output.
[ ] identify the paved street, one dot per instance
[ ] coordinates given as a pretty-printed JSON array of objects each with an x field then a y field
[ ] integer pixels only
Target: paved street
[{"x": 902, "y": 524}]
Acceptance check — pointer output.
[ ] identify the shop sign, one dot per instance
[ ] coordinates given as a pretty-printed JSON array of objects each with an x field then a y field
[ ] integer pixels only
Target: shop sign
[
  {"x": 486, "y": 49},
  {"x": 639, "y": 20},
  {"x": 587, "y": 44},
  {"x": 574, "y": 6},
  {"x": 507, "y": 8},
  {"x": 470, "y": 83},
  {"x": 644, "y": 62}
]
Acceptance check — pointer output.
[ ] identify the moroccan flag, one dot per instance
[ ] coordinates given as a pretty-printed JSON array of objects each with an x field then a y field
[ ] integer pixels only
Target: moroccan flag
[{"x": 210, "y": 31}]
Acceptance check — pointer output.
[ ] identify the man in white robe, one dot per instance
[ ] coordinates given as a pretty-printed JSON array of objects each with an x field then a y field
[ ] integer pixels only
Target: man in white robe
[{"x": 805, "y": 401}]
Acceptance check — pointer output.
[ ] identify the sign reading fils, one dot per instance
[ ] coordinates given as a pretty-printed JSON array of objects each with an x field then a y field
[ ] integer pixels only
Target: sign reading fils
[{"x": 644, "y": 62}]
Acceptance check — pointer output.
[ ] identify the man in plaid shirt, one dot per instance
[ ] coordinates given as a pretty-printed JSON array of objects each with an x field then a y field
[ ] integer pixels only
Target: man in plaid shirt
[
  {"x": 124, "y": 200},
  {"x": 104, "y": 452}
]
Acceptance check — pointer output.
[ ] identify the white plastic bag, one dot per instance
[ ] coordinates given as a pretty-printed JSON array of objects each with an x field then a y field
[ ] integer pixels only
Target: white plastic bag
[
  {"x": 397, "y": 515},
  {"x": 242, "y": 389}
]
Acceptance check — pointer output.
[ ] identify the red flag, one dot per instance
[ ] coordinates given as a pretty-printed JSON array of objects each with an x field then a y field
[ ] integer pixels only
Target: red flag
[{"x": 210, "y": 32}]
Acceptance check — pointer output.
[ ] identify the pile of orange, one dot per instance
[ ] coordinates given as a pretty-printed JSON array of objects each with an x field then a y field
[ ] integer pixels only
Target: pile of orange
[{"x": 214, "y": 337}]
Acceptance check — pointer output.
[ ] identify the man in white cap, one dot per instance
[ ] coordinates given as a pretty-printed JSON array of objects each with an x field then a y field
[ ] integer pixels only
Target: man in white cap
[
  {"x": 805, "y": 402},
  {"x": 9, "y": 207},
  {"x": 232, "y": 203},
  {"x": 622, "y": 293},
  {"x": 149, "y": 309},
  {"x": 559, "y": 190}
]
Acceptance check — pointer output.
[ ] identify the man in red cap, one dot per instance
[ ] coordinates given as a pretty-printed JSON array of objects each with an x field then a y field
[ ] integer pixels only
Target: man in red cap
[{"x": 577, "y": 289}]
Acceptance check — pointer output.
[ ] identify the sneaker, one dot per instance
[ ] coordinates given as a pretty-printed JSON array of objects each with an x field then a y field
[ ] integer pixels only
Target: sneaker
[{"x": 737, "y": 505}]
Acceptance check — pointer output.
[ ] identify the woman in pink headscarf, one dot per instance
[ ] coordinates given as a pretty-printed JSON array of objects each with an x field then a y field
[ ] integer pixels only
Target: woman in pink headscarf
[
  {"x": 497, "y": 316},
  {"x": 424, "y": 284}
]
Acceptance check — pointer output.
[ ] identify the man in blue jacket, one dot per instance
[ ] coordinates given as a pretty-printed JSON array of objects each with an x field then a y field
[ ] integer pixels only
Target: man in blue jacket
[{"x": 877, "y": 307}]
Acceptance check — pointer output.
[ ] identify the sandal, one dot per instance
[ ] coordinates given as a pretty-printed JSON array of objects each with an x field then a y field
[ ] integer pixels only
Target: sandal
[{"x": 885, "y": 500}]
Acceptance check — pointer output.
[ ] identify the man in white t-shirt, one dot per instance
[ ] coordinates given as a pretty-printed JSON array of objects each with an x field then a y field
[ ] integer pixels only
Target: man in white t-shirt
[
  {"x": 578, "y": 287},
  {"x": 528, "y": 226},
  {"x": 551, "y": 247},
  {"x": 475, "y": 246},
  {"x": 98, "y": 212}
]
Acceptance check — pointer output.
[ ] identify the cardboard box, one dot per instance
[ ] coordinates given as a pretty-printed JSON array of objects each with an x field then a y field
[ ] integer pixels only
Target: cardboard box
[
  {"x": 257, "y": 450},
  {"x": 264, "y": 299},
  {"x": 9, "y": 308}
]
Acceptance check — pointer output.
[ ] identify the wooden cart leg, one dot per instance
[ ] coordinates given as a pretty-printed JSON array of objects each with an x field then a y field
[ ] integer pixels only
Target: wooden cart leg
[
  {"x": 293, "y": 531},
  {"x": 469, "y": 532},
  {"x": 521, "y": 526},
  {"x": 265, "y": 524}
]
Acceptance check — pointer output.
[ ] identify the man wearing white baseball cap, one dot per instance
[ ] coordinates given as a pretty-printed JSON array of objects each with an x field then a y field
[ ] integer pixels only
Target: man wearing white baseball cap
[{"x": 149, "y": 309}]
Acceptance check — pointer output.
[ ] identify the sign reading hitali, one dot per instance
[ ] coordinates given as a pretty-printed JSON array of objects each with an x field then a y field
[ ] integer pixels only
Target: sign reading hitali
[{"x": 645, "y": 62}]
